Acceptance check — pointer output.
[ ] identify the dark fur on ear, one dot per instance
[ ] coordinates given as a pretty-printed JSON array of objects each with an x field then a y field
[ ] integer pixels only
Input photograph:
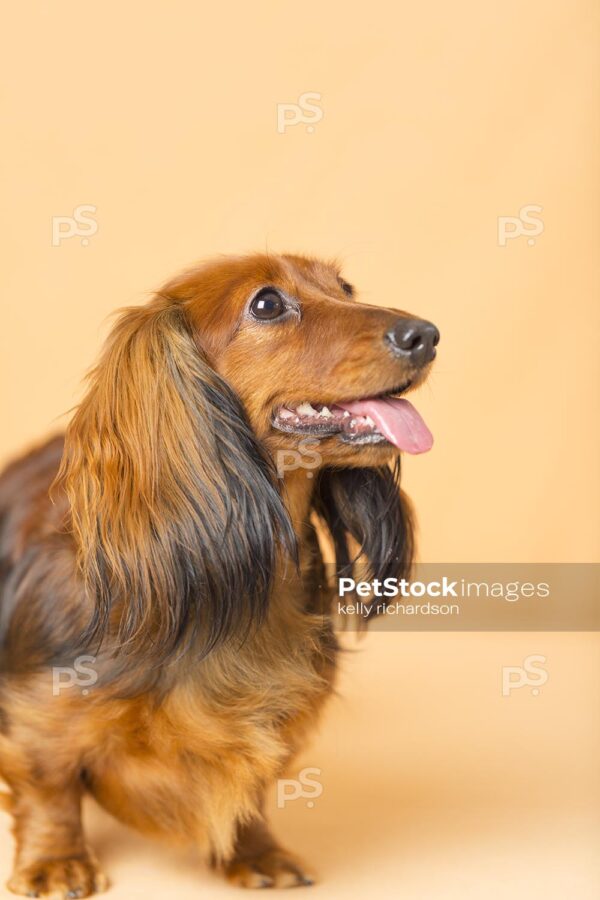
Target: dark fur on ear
[
  {"x": 174, "y": 505},
  {"x": 368, "y": 506}
]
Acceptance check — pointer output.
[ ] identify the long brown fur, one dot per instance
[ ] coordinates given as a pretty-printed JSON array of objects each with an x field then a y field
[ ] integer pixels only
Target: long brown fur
[{"x": 157, "y": 540}]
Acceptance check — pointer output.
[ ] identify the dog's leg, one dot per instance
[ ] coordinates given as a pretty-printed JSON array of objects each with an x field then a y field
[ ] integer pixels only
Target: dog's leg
[
  {"x": 259, "y": 862},
  {"x": 51, "y": 855}
]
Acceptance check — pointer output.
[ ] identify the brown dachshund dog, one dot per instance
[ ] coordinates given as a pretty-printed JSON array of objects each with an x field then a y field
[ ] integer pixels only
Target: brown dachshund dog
[{"x": 159, "y": 548}]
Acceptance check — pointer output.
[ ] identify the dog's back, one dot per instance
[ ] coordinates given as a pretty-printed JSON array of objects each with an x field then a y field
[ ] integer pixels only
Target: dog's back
[
  {"x": 27, "y": 516},
  {"x": 24, "y": 485}
]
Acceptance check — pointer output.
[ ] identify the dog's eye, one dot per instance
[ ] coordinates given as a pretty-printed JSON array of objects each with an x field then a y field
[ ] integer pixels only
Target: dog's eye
[
  {"x": 347, "y": 288},
  {"x": 267, "y": 305}
]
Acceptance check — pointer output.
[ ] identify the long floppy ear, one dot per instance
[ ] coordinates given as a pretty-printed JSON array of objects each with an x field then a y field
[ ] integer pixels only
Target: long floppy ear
[
  {"x": 367, "y": 505},
  {"x": 174, "y": 505}
]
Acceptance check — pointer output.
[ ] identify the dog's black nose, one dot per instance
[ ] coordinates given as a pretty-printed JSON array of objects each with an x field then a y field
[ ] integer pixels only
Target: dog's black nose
[{"x": 414, "y": 339}]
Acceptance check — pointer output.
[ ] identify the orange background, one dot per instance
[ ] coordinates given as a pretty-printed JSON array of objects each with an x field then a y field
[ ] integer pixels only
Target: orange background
[{"x": 438, "y": 118}]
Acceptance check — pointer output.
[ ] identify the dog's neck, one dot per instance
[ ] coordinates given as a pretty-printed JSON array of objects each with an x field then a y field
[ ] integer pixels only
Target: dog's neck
[{"x": 298, "y": 490}]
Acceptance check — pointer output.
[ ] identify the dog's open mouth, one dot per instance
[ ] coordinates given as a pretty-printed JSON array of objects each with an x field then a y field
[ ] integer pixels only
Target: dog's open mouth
[{"x": 373, "y": 420}]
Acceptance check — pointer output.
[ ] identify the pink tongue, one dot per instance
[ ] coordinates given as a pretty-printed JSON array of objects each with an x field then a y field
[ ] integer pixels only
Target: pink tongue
[{"x": 397, "y": 420}]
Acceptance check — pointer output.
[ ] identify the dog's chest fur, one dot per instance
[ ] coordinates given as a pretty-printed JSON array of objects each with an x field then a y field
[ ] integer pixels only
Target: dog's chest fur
[{"x": 194, "y": 762}]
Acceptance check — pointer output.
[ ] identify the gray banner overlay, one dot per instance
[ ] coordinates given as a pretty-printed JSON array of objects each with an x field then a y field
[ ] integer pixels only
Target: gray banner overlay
[{"x": 473, "y": 597}]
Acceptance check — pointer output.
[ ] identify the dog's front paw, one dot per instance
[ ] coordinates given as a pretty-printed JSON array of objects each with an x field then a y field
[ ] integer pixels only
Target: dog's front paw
[
  {"x": 78, "y": 876},
  {"x": 273, "y": 868}
]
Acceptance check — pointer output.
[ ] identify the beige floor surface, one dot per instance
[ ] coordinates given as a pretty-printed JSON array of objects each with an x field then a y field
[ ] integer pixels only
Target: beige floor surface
[{"x": 434, "y": 784}]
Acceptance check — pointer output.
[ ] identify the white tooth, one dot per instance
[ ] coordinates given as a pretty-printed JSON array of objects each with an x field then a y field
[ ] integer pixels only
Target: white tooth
[
  {"x": 370, "y": 421},
  {"x": 346, "y": 414},
  {"x": 285, "y": 413},
  {"x": 305, "y": 409},
  {"x": 326, "y": 413}
]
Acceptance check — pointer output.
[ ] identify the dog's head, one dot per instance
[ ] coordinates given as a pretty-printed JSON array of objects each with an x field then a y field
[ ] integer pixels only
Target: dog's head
[
  {"x": 174, "y": 462},
  {"x": 308, "y": 360}
]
